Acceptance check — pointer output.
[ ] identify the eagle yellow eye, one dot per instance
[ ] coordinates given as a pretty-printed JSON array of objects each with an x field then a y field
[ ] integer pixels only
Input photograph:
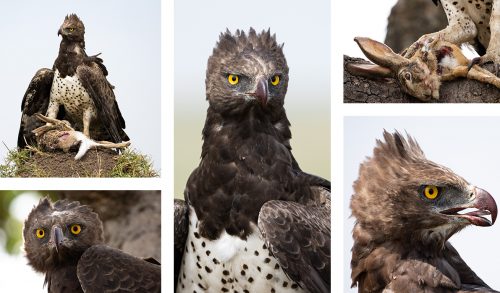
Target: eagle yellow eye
[
  {"x": 40, "y": 233},
  {"x": 275, "y": 80},
  {"x": 71, "y": 29},
  {"x": 431, "y": 191},
  {"x": 233, "y": 79},
  {"x": 76, "y": 229}
]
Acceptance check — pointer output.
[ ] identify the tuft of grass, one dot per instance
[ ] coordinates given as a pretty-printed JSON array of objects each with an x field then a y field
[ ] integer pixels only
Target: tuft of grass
[
  {"x": 132, "y": 164},
  {"x": 15, "y": 162},
  {"x": 27, "y": 163}
]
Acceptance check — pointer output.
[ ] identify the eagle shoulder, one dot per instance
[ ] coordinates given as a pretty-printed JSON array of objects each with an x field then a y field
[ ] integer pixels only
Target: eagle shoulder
[{"x": 102, "y": 268}]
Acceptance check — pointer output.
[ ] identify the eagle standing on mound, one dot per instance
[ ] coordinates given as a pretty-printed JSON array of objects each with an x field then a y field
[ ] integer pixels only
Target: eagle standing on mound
[
  {"x": 252, "y": 220},
  {"x": 76, "y": 89},
  {"x": 406, "y": 208}
]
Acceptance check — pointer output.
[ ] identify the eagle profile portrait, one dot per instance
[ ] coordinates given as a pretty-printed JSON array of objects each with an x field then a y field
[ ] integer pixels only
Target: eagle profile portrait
[
  {"x": 406, "y": 208},
  {"x": 75, "y": 89},
  {"x": 252, "y": 220},
  {"x": 64, "y": 240}
]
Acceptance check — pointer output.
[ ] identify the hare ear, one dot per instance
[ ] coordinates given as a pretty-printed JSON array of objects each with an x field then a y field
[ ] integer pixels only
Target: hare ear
[
  {"x": 368, "y": 70},
  {"x": 381, "y": 54}
]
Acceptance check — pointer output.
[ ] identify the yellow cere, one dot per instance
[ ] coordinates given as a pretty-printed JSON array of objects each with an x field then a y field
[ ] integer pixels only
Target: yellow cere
[
  {"x": 431, "y": 191},
  {"x": 275, "y": 80},
  {"x": 76, "y": 229},
  {"x": 40, "y": 233},
  {"x": 233, "y": 79}
]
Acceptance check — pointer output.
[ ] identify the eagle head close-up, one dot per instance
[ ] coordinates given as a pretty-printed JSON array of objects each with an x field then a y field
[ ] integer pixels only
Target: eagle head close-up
[
  {"x": 246, "y": 71},
  {"x": 399, "y": 188},
  {"x": 72, "y": 28},
  {"x": 58, "y": 234},
  {"x": 406, "y": 208}
]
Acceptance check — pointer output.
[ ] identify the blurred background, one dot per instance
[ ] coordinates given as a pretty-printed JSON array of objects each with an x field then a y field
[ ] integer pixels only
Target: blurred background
[
  {"x": 304, "y": 28},
  {"x": 397, "y": 23},
  {"x": 131, "y": 220},
  {"x": 127, "y": 35},
  {"x": 467, "y": 145}
]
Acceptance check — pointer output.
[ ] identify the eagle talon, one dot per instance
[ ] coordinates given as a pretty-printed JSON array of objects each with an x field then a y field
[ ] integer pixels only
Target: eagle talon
[{"x": 485, "y": 59}]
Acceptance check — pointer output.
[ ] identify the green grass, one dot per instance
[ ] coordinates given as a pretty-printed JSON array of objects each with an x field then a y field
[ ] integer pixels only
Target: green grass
[
  {"x": 132, "y": 164},
  {"x": 15, "y": 162}
]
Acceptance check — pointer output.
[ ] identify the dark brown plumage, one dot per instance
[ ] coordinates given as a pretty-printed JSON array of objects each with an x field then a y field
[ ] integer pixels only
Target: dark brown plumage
[
  {"x": 406, "y": 208},
  {"x": 247, "y": 165},
  {"x": 64, "y": 240},
  {"x": 75, "y": 89}
]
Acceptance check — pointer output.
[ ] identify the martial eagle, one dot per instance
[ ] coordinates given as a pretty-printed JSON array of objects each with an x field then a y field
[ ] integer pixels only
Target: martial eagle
[
  {"x": 75, "y": 89},
  {"x": 253, "y": 221},
  {"x": 65, "y": 241},
  {"x": 406, "y": 209}
]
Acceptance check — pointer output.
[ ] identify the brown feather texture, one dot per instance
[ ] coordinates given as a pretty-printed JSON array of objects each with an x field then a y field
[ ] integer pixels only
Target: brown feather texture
[
  {"x": 401, "y": 235},
  {"x": 64, "y": 240},
  {"x": 247, "y": 165}
]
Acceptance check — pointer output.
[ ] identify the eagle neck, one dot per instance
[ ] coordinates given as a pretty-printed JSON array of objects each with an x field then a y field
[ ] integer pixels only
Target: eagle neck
[
  {"x": 245, "y": 163},
  {"x": 71, "y": 55},
  {"x": 242, "y": 125},
  {"x": 63, "y": 279}
]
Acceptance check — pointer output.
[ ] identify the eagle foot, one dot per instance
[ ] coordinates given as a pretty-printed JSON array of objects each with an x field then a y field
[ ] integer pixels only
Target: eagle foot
[{"x": 487, "y": 58}]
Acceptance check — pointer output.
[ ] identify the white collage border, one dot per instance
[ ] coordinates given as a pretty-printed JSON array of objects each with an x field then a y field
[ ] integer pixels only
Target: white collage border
[{"x": 338, "y": 112}]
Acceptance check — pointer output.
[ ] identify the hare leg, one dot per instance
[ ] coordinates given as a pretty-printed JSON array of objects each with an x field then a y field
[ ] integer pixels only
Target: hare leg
[{"x": 484, "y": 76}]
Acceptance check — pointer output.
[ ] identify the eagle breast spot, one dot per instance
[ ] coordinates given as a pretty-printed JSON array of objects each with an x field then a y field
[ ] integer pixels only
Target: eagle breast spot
[
  {"x": 70, "y": 93},
  {"x": 230, "y": 264}
]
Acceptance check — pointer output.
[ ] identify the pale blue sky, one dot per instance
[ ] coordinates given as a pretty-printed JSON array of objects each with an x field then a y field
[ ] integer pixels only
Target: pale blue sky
[
  {"x": 467, "y": 145},
  {"x": 127, "y": 35},
  {"x": 361, "y": 18}
]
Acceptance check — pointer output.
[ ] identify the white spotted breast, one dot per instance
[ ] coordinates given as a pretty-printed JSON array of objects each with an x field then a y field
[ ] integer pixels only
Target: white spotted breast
[
  {"x": 230, "y": 264},
  {"x": 69, "y": 91}
]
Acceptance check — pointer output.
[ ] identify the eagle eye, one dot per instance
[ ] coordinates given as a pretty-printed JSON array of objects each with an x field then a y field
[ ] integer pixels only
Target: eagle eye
[
  {"x": 71, "y": 29},
  {"x": 431, "y": 191},
  {"x": 40, "y": 233},
  {"x": 75, "y": 229},
  {"x": 233, "y": 79},
  {"x": 275, "y": 80}
]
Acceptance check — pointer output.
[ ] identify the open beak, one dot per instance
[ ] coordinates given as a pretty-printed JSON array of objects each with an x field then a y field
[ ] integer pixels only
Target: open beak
[
  {"x": 57, "y": 237},
  {"x": 59, "y": 32},
  {"x": 478, "y": 211}
]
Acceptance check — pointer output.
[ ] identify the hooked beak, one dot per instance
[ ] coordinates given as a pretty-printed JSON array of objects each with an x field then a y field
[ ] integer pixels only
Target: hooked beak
[
  {"x": 483, "y": 205},
  {"x": 59, "y": 32},
  {"x": 56, "y": 237},
  {"x": 261, "y": 92}
]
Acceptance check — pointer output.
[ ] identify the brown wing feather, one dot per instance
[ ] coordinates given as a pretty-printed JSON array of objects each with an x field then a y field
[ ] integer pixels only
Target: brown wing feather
[
  {"x": 105, "y": 269},
  {"x": 35, "y": 100},
  {"x": 101, "y": 92},
  {"x": 299, "y": 237}
]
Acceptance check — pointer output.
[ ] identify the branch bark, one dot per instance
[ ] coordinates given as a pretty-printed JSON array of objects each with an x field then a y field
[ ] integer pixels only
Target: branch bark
[{"x": 359, "y": 89}]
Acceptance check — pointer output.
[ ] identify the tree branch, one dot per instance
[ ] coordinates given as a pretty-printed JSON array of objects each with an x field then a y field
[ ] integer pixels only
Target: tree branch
[{"x": 359, "y": 89}]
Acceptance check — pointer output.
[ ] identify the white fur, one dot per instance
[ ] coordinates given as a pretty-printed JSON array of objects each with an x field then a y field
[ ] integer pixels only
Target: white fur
[
  {"x": 449, "y": 62},
  {"x": 85, "y": 144}
]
